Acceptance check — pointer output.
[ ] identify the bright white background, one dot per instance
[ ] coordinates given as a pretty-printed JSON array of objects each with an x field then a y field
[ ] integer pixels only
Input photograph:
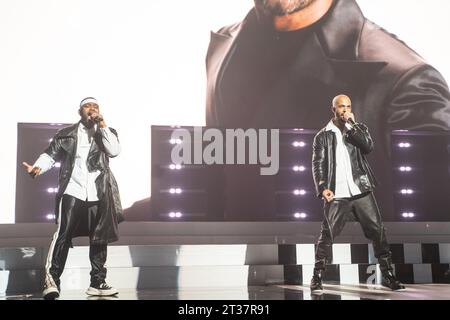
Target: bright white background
[{"x": 144, "y": 61}]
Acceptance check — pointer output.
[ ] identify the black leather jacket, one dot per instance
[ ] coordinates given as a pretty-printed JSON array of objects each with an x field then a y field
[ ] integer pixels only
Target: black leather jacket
[
  {"x": 359, "y": 143},
  {"x": 63, "y": 149}
]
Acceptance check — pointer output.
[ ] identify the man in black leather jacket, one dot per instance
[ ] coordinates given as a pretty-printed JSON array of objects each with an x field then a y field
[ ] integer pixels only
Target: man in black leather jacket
[
  {"x": 88, "y": 201},
  {"x": 344, "y": 180},
  {"x": 287, "y": 59}
]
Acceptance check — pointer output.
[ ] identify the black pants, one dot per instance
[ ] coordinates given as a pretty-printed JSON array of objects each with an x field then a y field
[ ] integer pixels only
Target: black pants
[
  {"x": 363, "y": 209},
  {"x": 73, "y": 212}
]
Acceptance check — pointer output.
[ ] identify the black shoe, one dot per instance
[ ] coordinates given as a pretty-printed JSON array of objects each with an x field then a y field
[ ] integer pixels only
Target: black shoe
[
  {"x": 102, "y": 290},
  {"x": 316, "y": 281},
  {"x": 51, "y": 289},
  {"x": 390, "y": 281}
]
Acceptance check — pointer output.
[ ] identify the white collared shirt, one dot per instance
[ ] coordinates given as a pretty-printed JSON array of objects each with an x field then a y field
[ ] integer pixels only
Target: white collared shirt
[
  {"x": 82, "y": 182},
  {"x": 345, "y": 185}
]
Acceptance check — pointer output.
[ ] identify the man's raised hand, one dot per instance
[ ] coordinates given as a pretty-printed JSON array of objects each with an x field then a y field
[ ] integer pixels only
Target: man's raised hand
[{"x": 32, "y": 171}]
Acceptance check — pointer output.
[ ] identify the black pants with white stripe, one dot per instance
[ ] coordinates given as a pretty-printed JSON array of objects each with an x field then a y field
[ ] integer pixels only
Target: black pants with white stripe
[
  {"x": 73, "y": 212},
  {"x": 363, "y": 209}
]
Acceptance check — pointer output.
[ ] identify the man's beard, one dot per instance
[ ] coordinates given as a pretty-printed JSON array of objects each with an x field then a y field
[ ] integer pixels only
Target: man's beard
[
  {"x": 87, "y": 121},
  {"x": 283, "y": 7}
]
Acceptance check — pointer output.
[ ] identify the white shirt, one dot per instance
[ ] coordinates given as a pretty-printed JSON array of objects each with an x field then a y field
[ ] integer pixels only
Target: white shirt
[
  {"x": 82, "y": 182},
  {"x": 345, "y": 185}
]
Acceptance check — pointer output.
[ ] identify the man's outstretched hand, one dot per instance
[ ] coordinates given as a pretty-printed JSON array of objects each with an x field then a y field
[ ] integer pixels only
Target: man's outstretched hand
[{"x": 32, "y": 171}]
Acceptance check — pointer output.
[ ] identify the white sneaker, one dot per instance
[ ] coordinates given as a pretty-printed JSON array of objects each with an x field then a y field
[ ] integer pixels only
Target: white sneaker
[{"x": 101, "y": 290}]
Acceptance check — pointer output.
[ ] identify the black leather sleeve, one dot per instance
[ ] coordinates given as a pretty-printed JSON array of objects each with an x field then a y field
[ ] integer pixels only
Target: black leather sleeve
[
  {"x": 360, "y": 137},
  {"x": 55, "y": 150},
  {"x": 420, "y": 101},
  {"x": 320, "y": 164}
]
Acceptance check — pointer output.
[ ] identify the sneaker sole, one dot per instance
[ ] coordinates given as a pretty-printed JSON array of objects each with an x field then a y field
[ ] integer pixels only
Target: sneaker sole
[
  {"x": 101, "y": 293},
  {"x": 399, "y": 289}
]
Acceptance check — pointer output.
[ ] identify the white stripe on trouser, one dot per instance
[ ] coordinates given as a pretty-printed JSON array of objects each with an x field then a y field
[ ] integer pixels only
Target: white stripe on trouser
[{"x": 48, "y": 264}]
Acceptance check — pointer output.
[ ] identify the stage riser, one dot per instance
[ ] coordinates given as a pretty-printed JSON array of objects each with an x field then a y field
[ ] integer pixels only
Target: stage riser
[
  {"x": 148, "y": 256},
  {"x": 30, "y": 281},
  {"x": 226, "y": 233},
  {"x": 226, "y": 255},
  {"x": 158, "y": 266}
]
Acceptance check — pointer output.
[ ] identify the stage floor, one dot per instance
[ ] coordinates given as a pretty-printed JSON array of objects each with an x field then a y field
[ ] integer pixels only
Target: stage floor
[{"x": 274, "y": 292}]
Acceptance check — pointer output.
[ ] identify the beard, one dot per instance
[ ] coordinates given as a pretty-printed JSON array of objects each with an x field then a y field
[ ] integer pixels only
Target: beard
[{"x": 283, "y": 7}]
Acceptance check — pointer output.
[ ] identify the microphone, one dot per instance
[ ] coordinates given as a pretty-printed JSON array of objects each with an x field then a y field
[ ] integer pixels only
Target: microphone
[
  {"x": 349, "y": 120},
  {"x": 96, "y": 119}
]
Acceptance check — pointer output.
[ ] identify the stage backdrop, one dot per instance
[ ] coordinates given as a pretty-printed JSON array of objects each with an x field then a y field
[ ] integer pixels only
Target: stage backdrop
[{"x": 145, "y": 62}]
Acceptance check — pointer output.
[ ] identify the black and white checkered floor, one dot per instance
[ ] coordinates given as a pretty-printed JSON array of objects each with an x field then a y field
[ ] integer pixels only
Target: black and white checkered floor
[{"x": 275, "y": 292}]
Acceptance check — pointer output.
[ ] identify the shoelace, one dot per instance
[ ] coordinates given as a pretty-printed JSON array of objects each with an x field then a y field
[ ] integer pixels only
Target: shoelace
[{"x": 104, "y": 286}]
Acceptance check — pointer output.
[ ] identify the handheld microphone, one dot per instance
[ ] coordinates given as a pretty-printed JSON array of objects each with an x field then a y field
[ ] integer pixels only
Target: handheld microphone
[
  {"x": 349, "y": 119},
  {"x": 96, "y": 119}
]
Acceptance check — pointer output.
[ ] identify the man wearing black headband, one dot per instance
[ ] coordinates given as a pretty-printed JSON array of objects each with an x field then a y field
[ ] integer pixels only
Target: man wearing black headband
[{"x": 88, "y": 201}]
